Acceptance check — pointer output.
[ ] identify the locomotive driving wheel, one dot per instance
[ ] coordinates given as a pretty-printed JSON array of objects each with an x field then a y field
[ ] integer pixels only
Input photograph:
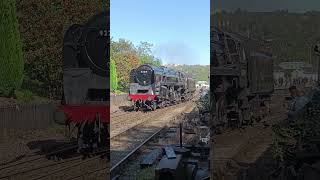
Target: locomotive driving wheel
[
  {"x": 136, "y": 106},
  {"x": 154, "y": 105}
]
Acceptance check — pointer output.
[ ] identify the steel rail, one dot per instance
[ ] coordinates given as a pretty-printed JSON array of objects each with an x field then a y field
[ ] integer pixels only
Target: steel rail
[{"x": 118, "y": 164}]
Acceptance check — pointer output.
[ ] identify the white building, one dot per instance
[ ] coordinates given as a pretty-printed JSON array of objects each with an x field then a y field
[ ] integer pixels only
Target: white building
[
  {"x": 202, "y": 84},
  {"x": 298, "y": 74}
]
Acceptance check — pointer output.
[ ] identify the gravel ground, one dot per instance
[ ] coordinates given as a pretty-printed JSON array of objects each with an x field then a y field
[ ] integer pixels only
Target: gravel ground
[
  {"x": 16, "y": 144},
  {"x": 238, "y": 153},
  {"x": 121, "y": 121},
  {"x": 147, "y": 121}
]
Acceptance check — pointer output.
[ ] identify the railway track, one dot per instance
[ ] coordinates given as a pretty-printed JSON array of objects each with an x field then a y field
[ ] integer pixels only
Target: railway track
[
  {"x": 121, "y": 124},
  {"x": 125, "y": 144},
  {"x": 118, "y": 158},
  {"x": 119, "y": 113},
  {"x": 123, "y": 121},
  {"x": 35, "y": 166}
]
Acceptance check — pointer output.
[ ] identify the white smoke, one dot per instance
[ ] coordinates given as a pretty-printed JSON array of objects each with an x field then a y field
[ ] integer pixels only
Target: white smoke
[{"x": 175, "y": 53}]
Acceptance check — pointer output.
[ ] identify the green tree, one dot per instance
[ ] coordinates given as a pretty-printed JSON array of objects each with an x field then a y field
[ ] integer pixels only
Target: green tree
[
  {"x": 42, "y": 25},
  {"x": 113, "y": 76},
  {"x": 124, "y": 53},
  {"x": 144, "y": 50},
  {"x": 127, "y": 56},
  {"x": 11, "y": 60},
  {"x": 198, "y": 72}
]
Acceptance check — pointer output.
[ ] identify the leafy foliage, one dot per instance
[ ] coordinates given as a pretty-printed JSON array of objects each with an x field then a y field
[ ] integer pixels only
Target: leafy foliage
[
  {"x": 298, "y": 132},
  {"x": 204, "y": 103},
  {"x": 199, "y": 72},
  {"x": 11, "y": 60},
  {"x": 24, "y": 96},
  {"x": 291, "y": 34},
  {"x": 42, "y": 26},
  {"x": 113, "y": 76},
  {"x": 145, "y": 54},
  {"x": 127, "y": 56}
]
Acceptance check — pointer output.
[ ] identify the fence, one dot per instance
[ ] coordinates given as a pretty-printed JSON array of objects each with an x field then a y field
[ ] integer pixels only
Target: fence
[
  {"x": 26, "y": 116},
  {"x": 119, "y": 100}
]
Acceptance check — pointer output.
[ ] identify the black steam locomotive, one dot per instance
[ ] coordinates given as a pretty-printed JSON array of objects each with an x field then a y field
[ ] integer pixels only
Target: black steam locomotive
[
  {"x": 85, "y": 82},
  {"x": 152, "y": 87},
  {"x": 241, "y": 79}
]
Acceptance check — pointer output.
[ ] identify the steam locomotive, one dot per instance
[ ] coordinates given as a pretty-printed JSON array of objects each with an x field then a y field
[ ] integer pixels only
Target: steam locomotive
[
  {"x": 241, "y": 79},
  {"x": 154, "y": 87},
  {"x": 85, "y": 101}
]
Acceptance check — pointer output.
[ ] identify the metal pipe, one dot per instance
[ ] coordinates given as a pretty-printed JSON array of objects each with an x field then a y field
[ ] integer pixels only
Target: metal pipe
[{"x": 180, "y": 135}]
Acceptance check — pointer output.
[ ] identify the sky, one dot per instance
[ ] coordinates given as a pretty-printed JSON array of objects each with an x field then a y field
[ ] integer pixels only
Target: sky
[
  {"x": 178, "y": 29},
  {"x": 268, "y": 5}
]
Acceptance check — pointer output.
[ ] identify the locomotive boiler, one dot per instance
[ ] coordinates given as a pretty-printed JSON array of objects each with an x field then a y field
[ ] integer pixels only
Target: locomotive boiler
[
  {"x": 152, "y": 87},
  {"x": 241, "y": 78},
  {"x": 85, "y": 82}
]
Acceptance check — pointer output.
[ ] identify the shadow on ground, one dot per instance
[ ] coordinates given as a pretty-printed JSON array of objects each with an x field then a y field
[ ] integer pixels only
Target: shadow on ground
[
  {"x": 54, "y": 148},
  {"x": 126, "y": 108}
]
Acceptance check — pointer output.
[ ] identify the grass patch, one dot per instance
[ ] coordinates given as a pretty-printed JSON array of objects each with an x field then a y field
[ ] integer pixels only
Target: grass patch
[
  {"x": 56, "y": 128},
  {"x": 24, "y": 95},
  {"x": 118, "y": 92}
]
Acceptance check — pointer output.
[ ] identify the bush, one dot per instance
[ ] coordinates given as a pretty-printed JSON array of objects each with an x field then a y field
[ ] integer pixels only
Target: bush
[
  {"x": 24, "y": 96},
  {"x": 113, "y": 76},
  {"x": 11, "y": 59},
  {"x": 42, "y": 26}
]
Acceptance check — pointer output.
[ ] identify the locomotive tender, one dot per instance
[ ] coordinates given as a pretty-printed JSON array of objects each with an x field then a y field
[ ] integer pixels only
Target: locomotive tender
[
  {"x": 241, "y": 78},
  {"x": 85, "y": 88},
  {"x": 154, "y": 87}
]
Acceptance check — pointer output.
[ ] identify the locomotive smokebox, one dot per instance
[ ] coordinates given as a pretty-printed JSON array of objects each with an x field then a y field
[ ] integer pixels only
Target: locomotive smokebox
[{"x": 85, "y": 61}]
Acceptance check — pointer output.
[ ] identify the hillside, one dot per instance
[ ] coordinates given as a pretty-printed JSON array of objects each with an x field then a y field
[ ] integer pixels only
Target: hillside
[{"x": 199, "y": 72}]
